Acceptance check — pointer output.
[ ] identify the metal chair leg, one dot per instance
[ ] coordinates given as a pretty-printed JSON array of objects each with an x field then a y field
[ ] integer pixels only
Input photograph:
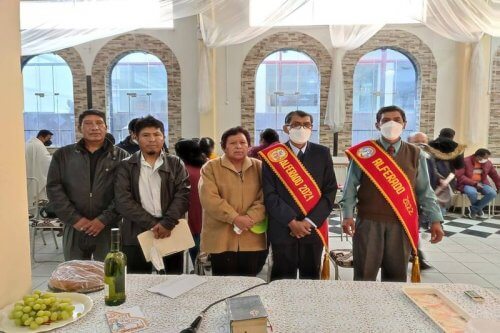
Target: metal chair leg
[
  {"x": 55, "y": 239},
  {"x": 43, "y": 237}
]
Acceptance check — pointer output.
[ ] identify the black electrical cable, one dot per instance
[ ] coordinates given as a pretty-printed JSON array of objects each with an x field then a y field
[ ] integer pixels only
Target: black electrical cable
[{"x": 196, "y": 323}]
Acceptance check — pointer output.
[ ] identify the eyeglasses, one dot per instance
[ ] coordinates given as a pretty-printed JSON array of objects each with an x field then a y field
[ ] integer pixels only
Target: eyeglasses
[{"x": 300, "y": 125}]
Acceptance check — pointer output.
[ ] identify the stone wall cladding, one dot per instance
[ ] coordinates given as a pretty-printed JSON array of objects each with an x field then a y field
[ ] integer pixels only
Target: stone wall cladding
[
  {"x": 494, "y": 133},
  {"x": 425, "y": 64},
  {"x": 114, "y": 50},
  {"x": 285, "y": 40},
  {"x": 75, "y": 63}
]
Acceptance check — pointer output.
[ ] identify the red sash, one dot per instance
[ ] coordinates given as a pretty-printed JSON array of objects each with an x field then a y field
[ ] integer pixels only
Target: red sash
[
  {"x": 296, "y": 179},
  {"x": 392, "y": 183}
]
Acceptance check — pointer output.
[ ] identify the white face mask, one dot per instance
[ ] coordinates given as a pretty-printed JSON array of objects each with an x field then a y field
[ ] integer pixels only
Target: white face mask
[
  {"x": 483, "y": 161},
  {"x": 391, "y": 130},
  {"x": 299, "y": 135}
]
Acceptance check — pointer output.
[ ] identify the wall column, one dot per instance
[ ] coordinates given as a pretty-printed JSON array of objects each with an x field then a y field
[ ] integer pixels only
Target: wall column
[{"x": 15, "y": 279}]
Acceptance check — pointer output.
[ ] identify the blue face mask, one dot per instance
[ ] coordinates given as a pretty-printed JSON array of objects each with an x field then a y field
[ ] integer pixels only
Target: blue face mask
[{"x": 48, "y": 143}]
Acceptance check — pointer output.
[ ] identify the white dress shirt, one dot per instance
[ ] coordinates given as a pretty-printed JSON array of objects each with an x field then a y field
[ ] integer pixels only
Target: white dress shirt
[{"x": 150, "y": 186}]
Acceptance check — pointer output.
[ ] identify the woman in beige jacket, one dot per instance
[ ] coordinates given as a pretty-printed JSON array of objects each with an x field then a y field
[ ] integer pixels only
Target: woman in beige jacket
[{"x": 231, "y": 196}]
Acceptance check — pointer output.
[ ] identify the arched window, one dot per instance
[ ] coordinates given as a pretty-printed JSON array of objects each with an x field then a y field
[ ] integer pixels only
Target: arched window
[
  {"x": 383, "y": 77},
  {"x": 48, "y": 98},
  {"x": 286, "y": 80},
  {"x": 138, "y": 88}
]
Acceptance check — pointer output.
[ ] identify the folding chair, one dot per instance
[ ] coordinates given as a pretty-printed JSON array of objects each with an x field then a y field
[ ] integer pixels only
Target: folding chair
[
  {"x": 202, "y": 264},
  {"x": 341, "y": 258}
]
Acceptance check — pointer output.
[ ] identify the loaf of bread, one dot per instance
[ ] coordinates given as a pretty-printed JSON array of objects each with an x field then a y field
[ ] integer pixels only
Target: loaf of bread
[{"x": 78, "y": 276}]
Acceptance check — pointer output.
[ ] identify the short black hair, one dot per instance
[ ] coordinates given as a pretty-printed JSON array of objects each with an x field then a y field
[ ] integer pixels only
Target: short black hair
[
  {"x": 207, "y": 145},
  {"x": 131, "y": 125},
  {"x": 148, "y": 121},
  {"x": 91, "y": 112},
  {"x": 390, "y": 108},
  {"x": 269, "y": 136},
  {"x": 299, "y": 113},
  {"x": 190, "y": 153},
  {"x": 234, "y": 131},
  {"x": 44, "y": 133},
  {"x": 482, "y": 152},
  {"x": 447, "y": 133}
]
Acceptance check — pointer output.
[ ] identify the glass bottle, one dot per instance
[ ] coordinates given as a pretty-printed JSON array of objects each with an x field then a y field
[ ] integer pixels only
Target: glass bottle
[{"x": 115, "y": 271}]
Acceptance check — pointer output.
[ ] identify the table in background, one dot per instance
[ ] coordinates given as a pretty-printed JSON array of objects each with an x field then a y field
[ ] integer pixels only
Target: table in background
[{"x": 293, "y": 306}]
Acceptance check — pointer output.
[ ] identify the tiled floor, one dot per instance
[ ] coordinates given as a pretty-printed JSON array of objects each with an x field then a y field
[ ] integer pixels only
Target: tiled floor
[
  {"x": 460, "y": 258},
  {"x": 470, "y": 253}
]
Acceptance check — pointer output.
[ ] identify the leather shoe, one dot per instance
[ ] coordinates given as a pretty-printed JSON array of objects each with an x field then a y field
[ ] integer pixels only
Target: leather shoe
[{"x": 424, "y": 265}]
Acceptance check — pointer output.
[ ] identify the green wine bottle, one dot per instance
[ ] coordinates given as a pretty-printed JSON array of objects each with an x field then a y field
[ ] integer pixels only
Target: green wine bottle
[{"x": 115, "y": 271}]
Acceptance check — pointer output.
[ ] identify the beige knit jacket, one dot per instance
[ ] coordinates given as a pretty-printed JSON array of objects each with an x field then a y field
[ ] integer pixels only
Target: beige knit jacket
[{"x": 225, "y": 194}]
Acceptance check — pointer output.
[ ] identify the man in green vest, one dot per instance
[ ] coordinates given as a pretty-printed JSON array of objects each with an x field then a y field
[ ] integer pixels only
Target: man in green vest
[{"x": 380, "y": 240}]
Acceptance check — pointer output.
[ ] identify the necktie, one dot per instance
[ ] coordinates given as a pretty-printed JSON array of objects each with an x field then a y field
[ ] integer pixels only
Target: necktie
[
  {"x": 391, "y": 150},
  {"x": 300, "y": 155}
]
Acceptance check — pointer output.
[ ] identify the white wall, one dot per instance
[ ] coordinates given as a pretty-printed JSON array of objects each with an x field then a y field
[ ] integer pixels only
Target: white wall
[{"x": 15, "y": 265}]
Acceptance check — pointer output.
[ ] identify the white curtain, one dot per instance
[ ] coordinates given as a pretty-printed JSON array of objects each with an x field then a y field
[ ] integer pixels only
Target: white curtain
[
  {"x": 466, "y": 21},
  {"x": 344, "y": 38},
  {"x": 228, "y": 23},
  {"x": 48, "y": 26}
]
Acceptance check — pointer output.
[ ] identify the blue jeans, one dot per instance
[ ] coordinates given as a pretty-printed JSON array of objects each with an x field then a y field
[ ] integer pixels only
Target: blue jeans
[{"x": 477, "y": 205}]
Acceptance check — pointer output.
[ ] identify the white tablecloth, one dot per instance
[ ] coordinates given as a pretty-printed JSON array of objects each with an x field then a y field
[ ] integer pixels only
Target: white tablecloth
[{"x": 292, "y": 305}]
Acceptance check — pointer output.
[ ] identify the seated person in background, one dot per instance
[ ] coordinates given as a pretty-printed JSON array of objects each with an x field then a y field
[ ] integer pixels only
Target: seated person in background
[
  {"x": 190, "y": 153},
  {"x": 473, "y": 178},
  {"x": 231, "y": 196},
  {"x": 151, "y": 193},
  {"x": 267, "y": 137},
  {"x": 207, "y": 146},
  {"x": 448, "y": 154}
]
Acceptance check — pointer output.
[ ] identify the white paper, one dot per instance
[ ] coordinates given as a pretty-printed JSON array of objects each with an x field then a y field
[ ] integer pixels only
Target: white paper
[
  {"x": 177, "y": 286},
  {"x": 180, "y": 239}
]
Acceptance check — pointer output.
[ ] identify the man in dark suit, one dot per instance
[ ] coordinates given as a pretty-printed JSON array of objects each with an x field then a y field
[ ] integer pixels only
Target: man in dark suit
[{"x": 295, "y": 244}]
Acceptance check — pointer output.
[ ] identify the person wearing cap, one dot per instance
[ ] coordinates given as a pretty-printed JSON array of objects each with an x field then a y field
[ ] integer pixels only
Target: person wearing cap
[
  {"x": 233, "y": 209},
  {"x": 473, "y": 179}
]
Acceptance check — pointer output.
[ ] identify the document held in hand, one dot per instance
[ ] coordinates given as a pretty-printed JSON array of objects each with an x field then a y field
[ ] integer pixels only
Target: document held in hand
[{"x": 180, "y": 239}]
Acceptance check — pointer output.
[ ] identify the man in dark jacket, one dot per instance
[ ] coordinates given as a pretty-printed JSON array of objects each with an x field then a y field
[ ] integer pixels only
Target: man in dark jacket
[
  {"x": 295, "y": 244},
  {"x": 473, "y": 179},
  {"x": 152, "y": 193},
  {"x": 130, "y": 142},
  {"x": 80, "y": 189}
]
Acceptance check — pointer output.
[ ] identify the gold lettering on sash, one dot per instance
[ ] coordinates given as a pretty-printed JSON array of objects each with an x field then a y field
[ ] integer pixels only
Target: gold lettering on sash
[
  {"x": 408, "y": 206},
  {"x": 387, "y": 173},
  {"x": 292, "y": 172}
]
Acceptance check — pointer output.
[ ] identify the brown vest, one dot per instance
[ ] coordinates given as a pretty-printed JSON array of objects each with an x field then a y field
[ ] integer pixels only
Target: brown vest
[{"x": 371, "y": 204}]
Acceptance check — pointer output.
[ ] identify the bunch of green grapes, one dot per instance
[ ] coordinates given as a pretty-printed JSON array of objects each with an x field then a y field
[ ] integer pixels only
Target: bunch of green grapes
[{"x": 41, "y": 309}]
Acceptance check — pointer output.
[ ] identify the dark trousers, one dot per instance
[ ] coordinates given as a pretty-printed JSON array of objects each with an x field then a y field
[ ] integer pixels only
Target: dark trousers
[
  {"x": 302, "y": 254},
  {"x": 79, "y": 246},
  {"x": 193, "y": 252},
  {"x": 241, "y": 263},
  {"x": 380, "y": 245},
  {"x": 137, "y": 264}
]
